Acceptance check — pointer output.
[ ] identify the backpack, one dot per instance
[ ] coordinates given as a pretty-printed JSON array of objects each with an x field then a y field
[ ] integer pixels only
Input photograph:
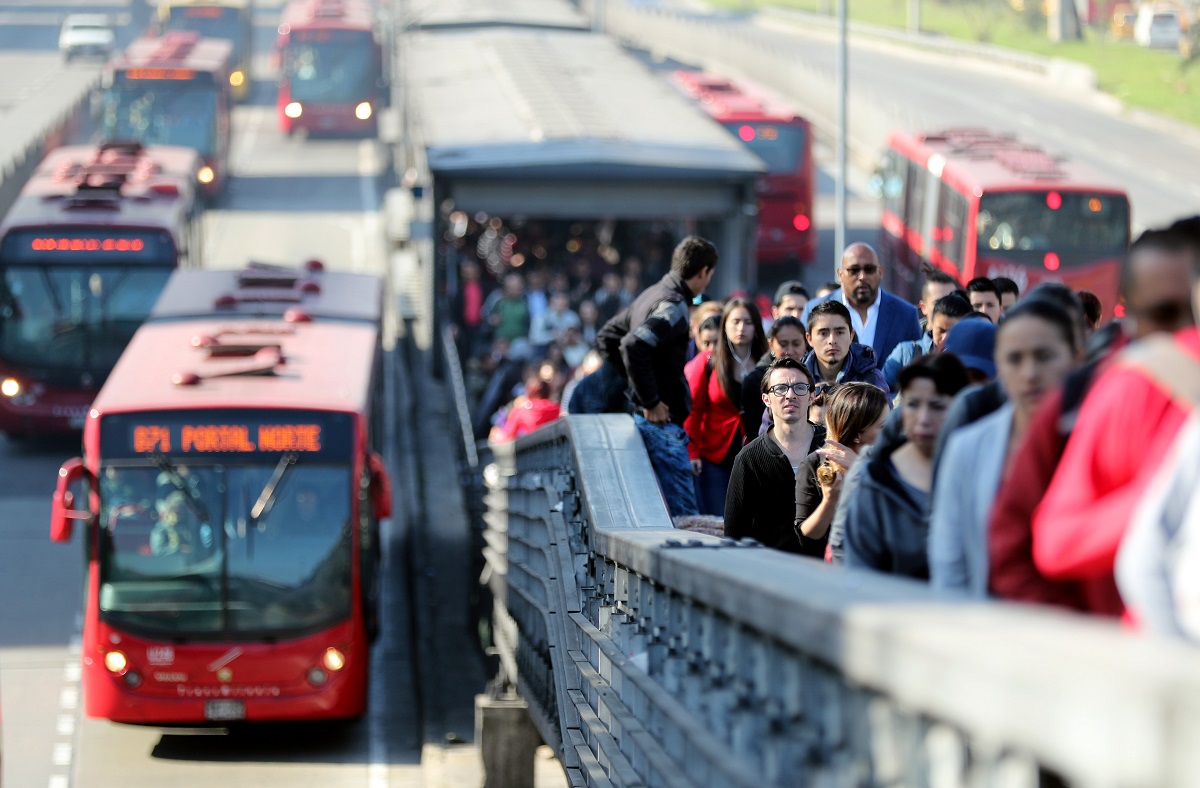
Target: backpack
[{"x": 1158, "y": 563}]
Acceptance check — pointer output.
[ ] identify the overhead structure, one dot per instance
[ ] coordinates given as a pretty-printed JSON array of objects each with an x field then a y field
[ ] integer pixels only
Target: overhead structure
[{"x": 567, "y": 125}]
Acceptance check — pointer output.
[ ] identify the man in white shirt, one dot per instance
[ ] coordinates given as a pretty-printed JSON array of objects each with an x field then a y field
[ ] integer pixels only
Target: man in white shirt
[{"x": 880, "y": 320}]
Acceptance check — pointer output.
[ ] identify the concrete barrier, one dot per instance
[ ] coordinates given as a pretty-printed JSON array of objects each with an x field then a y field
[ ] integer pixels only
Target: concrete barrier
[{"x": 59, "y": 115}]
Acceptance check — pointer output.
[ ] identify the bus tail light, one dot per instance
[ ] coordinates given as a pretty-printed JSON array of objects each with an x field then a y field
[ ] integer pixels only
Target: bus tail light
[
  {"x": 363, "y": 111},
  {"x": 801, "y": 222},
  {"x": 1051, "y": 261},
  {"x": 62, "y": 511},
  {"x": 206, "y": 174},
  {"x": 293, "y": 110},
  {"x": 333, "y": 660}
]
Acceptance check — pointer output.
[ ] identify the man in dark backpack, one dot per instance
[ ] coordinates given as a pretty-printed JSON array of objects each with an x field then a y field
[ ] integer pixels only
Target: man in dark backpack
[{"x": 645, "y": 346}]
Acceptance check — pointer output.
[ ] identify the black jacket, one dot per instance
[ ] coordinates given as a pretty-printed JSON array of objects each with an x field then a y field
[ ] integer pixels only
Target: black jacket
[
  {"x": 648, "y": 344},
  {"x": 760, "y": 503}
]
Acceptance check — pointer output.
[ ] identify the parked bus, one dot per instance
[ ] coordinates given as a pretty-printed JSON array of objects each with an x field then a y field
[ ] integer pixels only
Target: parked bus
[
  {"x": 232, "y": 501},
  {"x": 173, "y": 90},
  {"x": 976, "y": 203},
  {"x": 231, "y": 20},
  {"x": 782, "y": 139},
  {"x": 332, "y": 77},
  {"x": 84, "y": 252}
]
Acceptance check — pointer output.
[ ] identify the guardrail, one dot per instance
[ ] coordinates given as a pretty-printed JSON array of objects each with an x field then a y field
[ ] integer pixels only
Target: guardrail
[{"x": 650, "y": 656}]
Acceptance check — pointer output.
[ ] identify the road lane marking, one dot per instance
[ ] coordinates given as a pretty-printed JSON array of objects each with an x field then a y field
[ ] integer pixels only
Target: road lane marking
[
  {"x": 69, "y": 698},
  {"x": 66, "y": 725},
  {"x": 62, "y": 754}
]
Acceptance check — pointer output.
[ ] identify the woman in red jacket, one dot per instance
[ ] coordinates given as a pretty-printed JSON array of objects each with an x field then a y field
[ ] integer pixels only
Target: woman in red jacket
[{"x": 714, "y": 426}]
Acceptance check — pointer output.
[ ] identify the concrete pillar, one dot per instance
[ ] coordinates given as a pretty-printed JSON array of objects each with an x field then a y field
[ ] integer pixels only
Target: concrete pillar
[{"x": 507, "y": 740}]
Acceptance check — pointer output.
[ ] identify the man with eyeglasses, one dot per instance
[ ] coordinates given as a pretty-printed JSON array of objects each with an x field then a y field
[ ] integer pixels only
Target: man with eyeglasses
[
  {"x": 880, "y": 320},
  {"x": 760, "y": 503}
]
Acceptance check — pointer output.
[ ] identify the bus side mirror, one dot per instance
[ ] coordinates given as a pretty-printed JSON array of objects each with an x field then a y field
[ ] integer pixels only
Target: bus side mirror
[
  {"x": 63, "y": 512},
  {"x": 381, "y": 486}
]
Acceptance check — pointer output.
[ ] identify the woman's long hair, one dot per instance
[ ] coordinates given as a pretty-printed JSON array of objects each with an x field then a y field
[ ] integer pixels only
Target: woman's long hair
[
  {"x": 723, "y": 355},
  {"x": 853, "y": 407}
]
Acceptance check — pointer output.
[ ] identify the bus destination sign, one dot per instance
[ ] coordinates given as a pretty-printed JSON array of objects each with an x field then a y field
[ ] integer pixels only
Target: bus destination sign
[{"x": 226, "y": 433}]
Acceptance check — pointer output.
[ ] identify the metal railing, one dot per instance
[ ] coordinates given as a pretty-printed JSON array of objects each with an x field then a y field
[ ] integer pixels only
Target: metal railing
[{"x": 651, "y": 656}]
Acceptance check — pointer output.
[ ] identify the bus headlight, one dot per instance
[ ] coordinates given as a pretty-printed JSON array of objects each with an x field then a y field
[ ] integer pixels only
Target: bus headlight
[
  {"x": 363, "y": 111},
  {"x": 115, "y": 661},
  {"x": 237, "y": 79},
  {"x": 205, "y": 175},
  {"x": 293, "y": 110},
  {"x": 333, "y": 659},
  {"x": 10, "y": 387}
]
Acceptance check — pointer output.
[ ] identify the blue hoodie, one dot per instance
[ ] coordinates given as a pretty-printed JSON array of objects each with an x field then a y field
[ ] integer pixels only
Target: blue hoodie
[{"x": 860, "y": 366}]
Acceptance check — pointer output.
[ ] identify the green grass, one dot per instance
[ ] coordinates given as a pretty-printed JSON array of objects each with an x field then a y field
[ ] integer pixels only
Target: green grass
[{"x": 1159, "y": 81}]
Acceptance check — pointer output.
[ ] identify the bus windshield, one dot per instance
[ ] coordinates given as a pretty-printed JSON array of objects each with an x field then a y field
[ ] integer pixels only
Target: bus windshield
[
  {"x": 67, "y": 317},
  {"x": 204, "y": 550},
  {"x": 339, "y": 67},
  {"x": 1077, "y": 226},
  {"x": 166, "y": 112},
  {"x": 210, "y": 21},
  {"x": 779, "y": 146}
]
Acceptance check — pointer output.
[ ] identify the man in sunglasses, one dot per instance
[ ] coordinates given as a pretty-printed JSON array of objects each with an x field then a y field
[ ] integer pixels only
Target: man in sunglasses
[
  {"x": 880, "y": 320},
  {"x": 1093, "y": 446}
]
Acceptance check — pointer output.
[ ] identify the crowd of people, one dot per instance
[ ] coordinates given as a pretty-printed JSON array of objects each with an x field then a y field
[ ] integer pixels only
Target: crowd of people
[{"x": 990, "y": 442}]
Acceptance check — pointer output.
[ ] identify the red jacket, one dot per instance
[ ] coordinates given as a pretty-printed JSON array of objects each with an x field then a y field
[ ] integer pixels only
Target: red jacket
[
  {"x": 1125, "y": 427},
  {"x": 715, "y": 420},
  {"x": 1012, "y": 573},
  {"x": 527, "y": 416}
]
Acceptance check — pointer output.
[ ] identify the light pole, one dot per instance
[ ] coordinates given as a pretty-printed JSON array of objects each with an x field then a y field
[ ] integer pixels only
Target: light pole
[{"x": 839, "y": 232}]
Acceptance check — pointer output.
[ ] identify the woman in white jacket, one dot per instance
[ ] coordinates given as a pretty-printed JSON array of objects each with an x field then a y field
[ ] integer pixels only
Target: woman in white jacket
[{"x": 1036, "y": 346}]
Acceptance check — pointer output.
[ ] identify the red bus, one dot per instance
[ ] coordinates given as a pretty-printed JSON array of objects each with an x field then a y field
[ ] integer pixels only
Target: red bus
[
  {"x": 84, "y": 252},
  {"x": 232, "y": 502},
  {"x": 173, "y": 90},
  {"x": 782, "y": 139},
  {"x": 976, "y": 203},
  {"x": 332, "y": 70}
]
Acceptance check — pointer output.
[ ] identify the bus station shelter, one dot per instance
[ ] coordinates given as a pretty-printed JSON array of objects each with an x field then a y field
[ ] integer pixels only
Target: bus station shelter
[{"x": 548, "y": 124}]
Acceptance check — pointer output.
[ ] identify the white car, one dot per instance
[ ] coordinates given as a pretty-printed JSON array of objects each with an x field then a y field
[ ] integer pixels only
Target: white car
[{"x": 86, "y": 34}]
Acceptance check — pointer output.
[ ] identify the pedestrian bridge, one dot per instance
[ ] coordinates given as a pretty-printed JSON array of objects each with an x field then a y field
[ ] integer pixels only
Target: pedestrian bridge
[{"x": 652, "y": 656}]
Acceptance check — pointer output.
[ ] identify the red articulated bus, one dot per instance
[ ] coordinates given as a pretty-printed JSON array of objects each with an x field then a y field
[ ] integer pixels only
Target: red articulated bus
[
  {"x": 332, "y": 68},
  {"x": 976, "y": 203},
  {"x": 232, "y": 500},
  {"x": 782, "y": 139},
  {"x": 84, "y": 253},
  {"x": 174, "y": 90}
]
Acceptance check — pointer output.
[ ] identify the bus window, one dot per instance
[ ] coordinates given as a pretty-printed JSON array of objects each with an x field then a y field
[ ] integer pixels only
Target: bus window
[
  {"x": 949, "y": 231},
  {"x": 1063, "y": 222},
  {"x": 779, "y": 146}
]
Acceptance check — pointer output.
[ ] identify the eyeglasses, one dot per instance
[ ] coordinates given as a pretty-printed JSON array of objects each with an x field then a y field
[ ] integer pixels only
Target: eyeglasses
[
  {"x": 869, "y": 270},
  {"x": 781, "y": 389}
]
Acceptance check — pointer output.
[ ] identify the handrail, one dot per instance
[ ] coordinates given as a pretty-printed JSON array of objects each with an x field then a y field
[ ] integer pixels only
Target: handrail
[{"x": 651, "y": 656}]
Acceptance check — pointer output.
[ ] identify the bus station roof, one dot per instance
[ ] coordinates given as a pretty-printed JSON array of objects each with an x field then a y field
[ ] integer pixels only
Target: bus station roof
[
  {"x": 512, "y": 106},
  {"x": 445, "y": 14}
]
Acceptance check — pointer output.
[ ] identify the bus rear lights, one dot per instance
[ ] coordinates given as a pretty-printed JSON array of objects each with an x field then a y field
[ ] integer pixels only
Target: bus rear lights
[
  {"x": 10, "y": 387},
  {"x": 1053, "y": 201},
  {"x": 293, "y": 110},
  {"x": 333, "y": 659},
  {"x": 363, "y": 111},
  {"x": 1051, "y": 261},
  {"x": 237, "y": 79},
  {"x": 746, "y": 133},
  {"x": 115, "y": 662},
  {"x": 206, "y": 174},
  {"x": 801, "y": 222}
]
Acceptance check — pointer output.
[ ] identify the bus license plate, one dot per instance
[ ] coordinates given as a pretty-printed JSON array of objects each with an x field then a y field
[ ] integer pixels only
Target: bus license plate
[{"x": 220, "y": 710}]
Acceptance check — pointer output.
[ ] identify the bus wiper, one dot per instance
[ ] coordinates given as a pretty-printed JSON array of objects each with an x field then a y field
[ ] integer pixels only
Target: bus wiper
[
  {"x": 194, "y": 502},
  {"x": 266, "y": 499}
]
